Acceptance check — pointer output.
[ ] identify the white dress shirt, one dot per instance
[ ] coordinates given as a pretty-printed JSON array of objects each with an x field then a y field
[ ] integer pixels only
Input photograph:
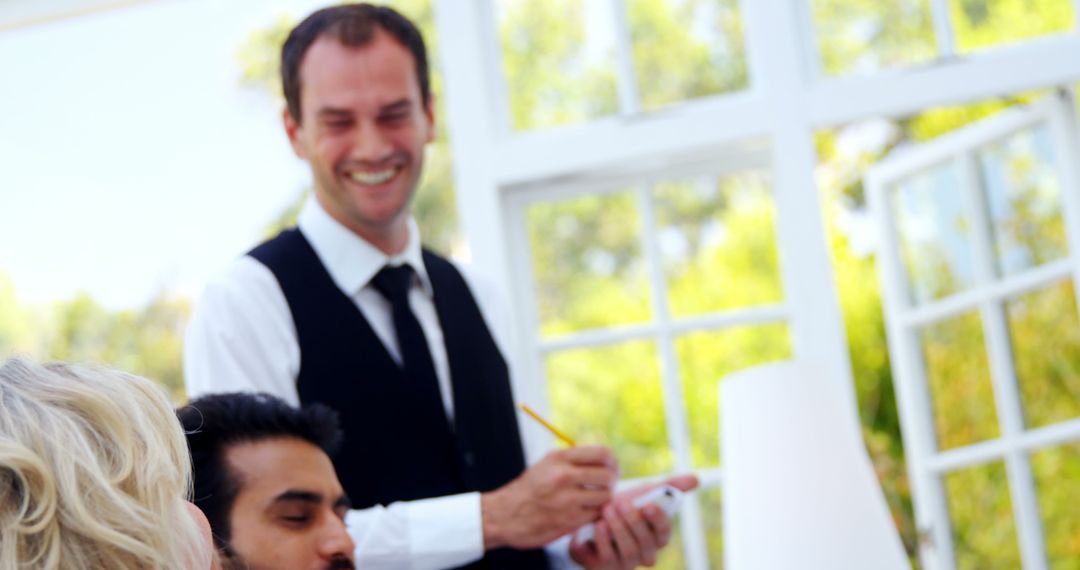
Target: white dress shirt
[{"x": 241, "y": 337}]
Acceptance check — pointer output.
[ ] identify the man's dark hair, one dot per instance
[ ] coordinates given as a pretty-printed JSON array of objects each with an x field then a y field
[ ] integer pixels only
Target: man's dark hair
[
  {"x": 213, "y": 423},
  {"x": 353, "y": 25}
]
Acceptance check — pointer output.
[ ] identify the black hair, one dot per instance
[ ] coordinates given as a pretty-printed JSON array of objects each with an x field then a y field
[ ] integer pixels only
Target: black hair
[
  {"x": 215, "y": 422},
  {"x": 353, "y": 25}
]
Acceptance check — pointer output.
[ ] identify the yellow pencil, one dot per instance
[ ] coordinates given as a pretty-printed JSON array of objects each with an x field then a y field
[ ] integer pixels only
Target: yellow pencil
[{"x": 559, "y": 434}]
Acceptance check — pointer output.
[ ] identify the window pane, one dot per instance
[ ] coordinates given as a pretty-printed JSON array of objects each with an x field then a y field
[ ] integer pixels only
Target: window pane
[
  {"x": 587, "y": 262},
  {"x": 612, "y": 396},
  {"x": 558, "y": 59},
  {"x": 712, "y": 516},
  {"x": 705, "y": 358},
  {"x": 934, "y": 234},
  {"x": 959, "y": 377},
  {"x": 984, "y": 23},
  {"x": 684, "y": 49},
  {"x": 673, "y": 556},
  {"x": 718, "y": 242},
  {"x": 1057, "y": 478},
  {"x": 1045, "y": 332},
  {"x": 984, "y": 537},
  {"x": 855, "y": 36},
  {"x": 1024, "y": 198}
]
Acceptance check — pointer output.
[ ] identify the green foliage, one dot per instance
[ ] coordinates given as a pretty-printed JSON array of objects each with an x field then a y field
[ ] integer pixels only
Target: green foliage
[
  {"x": 1045, "y": 333},
  {"x": 984, "y": 537},
  {"x": 1057, "y": 479},
  {"x": 589, "y": 271},
  {"x": 674, "y": 64},
  {"x": 144, "y": 341},
  {"x": 612, "y": 396},
  {"x": 979, "y": 24},
  {"x": 550, "y": 79},
  {"x": 867, "y": 35}
]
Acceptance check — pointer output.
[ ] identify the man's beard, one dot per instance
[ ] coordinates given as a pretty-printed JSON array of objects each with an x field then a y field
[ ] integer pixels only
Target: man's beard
[{"x": 232, "y": 561}]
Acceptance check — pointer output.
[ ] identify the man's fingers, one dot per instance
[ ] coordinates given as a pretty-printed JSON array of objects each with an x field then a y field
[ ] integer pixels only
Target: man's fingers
[
  {"x": 591, "y": 498},
  {"x": 687, "y": 482},
  {"x": 660, "y": 523},
  {"x": 626, "y": 545},
  {"x": 590, "y": 455},
  {"x": 602, "y": 538},
  {"x": 595, "y": 477},
  {"x": 640, "y": 530}
]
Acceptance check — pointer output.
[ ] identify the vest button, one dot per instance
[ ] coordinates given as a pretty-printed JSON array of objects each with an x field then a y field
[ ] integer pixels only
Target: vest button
[{"x": 470, "y": 458}]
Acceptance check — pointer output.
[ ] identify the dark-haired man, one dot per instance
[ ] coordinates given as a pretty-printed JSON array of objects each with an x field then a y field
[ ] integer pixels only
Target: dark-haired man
[
  {"x": 350, "y": 311},
  {"x": 264, "y": 480}
]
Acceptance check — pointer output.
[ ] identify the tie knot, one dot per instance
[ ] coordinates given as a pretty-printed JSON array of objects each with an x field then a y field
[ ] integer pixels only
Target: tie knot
[{"x": 394, "y": 282}]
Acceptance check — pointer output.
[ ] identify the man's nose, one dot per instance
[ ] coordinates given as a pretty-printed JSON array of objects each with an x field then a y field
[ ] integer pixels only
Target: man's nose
[
  {"x": 372, "y": 144},
  {"x": 335, "y": 541}
]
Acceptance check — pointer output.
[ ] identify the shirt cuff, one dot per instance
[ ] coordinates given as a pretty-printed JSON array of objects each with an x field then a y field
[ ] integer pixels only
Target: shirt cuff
[
  {"x": 426, "y": 534},
  {"x": 446, "y": 532}
]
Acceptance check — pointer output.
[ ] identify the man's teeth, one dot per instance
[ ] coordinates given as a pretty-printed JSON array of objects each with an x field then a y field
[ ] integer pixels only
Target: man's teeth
[{"x": 373, "y": 178}]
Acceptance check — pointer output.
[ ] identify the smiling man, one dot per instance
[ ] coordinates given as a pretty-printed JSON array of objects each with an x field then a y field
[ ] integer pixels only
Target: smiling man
[
  {"x": 264, "y": 480},
  {"x": 349, "y": 310}
]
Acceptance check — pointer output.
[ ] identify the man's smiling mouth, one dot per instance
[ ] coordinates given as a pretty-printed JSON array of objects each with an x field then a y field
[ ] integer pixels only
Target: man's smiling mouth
[{"x": 374, "y": 178}]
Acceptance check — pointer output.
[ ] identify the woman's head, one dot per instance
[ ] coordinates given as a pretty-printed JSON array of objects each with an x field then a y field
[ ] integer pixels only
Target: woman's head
[{"x": 94, "y": 472}]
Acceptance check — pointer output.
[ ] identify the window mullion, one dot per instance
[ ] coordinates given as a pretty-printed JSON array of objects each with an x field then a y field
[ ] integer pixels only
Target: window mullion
[
  {"x": 943, "y": 29},
  {"x": 1003, "y": 374},
  {"x": 804, "y": 12},
  {"x": 912, "y": 389},
  {"x": 629, "y": 101},
  {"x": 1063, "y": 127},
  {"x": 674, "y": 411}
]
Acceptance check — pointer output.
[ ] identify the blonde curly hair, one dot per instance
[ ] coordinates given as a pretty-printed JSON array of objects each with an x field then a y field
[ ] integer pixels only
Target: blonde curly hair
[{"x": 94, "y": 472}]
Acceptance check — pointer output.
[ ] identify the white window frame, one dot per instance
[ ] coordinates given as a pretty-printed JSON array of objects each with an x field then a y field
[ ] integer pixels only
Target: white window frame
[
  {"x": 987, "y": 295},
  {"x": 778, "y": 113},
  {"x": 663, "y": 329}
]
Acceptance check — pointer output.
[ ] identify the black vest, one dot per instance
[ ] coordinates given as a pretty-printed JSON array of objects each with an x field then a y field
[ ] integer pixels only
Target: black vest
[{"x": 391, "y": 452}]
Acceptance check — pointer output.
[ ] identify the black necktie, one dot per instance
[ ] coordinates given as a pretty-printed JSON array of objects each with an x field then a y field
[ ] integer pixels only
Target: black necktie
[{"x": 394, "y": 284}]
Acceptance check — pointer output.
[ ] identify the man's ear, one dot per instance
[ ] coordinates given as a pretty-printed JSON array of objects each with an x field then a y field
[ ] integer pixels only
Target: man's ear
[
  {"x": 429, "y": 115},
  {"x": 292, "y": 129}
]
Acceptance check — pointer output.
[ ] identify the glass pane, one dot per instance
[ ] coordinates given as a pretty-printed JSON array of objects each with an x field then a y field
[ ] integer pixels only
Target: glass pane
[
  {"x": 718, "y": 243},
  {"x": 558, "y": 59},
  {"x": 673, "y": 556},
  {"x": 984, "y": 536},
  {"x": 1045, "y": 332},
  {"x": 612, "y": 396},
  {"x": 706, "y": 357},
  {"x": 1024, "y": 198},
  {"x": 855, "y": 36},
  {"x": 684, "y": 49},
  {"x": 959, "y": 377},
  {"x": 1057, "y": 479},
  {"x": 587, "y": 262},
  {"x": 934, "y": 233},
  {"x": 712, "y": 517},
  {"x": 984, "y": 23}
]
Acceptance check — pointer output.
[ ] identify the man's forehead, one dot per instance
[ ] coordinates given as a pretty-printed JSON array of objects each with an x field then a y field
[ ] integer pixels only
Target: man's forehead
[
  {"x": 381, "y": 64},
  {"x": 274, "y": 466}
]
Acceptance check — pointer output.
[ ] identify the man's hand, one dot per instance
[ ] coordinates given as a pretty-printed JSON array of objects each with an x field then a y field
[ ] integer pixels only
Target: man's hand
[
  {"x": 627, "y": 537},
  {"x": 562, "y": 492}
]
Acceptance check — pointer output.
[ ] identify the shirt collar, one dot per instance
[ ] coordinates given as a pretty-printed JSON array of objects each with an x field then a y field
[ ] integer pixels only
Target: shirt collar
[{"x": 350, "y": 260}]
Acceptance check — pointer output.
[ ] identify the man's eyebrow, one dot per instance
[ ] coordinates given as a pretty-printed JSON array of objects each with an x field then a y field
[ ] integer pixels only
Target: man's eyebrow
[
  {"x": 343, "y": 501},
  {"x": 332, "y": 112},
  {"x": 396, "y": 106},
  {"x": 299, "y": 496}
]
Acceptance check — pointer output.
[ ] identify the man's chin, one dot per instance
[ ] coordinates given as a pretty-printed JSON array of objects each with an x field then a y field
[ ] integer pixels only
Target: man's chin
[{"x": 236, "y": 562}]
